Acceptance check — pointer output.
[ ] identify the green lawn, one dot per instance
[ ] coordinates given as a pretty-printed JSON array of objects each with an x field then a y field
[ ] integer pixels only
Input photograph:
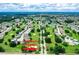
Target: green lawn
[
  {"x": 9, "y": 49},
  {"x": 35, "y": 35},
  {"x": 71, "y": 49},
  {"x": 52, "y": 36}
]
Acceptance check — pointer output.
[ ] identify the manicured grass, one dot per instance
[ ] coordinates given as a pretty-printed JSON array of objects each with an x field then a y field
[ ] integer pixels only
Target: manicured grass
[
  {"x": 52, "y": 37},
  {"x": 71, "y": 49},
  {"x": 9, "y": 36},
  {"x": 35, "y": 35},
  {"x": 9, "y": 49}
]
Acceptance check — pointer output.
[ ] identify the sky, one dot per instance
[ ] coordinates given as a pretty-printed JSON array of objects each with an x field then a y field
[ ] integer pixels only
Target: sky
[
  {"x": 40, "y": 7},
  {"x": 39, "y": 1}
]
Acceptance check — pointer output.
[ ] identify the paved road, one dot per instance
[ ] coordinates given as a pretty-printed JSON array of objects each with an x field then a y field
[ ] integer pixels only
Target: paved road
[
  {"x": 58, "y": 30},
  {"x": 42, "y": 41},
  {"x": 44, "y": 44},
  {"x": 41, "y": 45}
]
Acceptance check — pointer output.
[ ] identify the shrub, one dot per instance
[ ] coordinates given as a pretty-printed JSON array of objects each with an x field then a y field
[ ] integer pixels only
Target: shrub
[
  {"x": 32, "y": 30},
  {"x": 6, "y": 33},
  {"x": 57, "y": 39},
  {"x": 30, "y": 38},
  {"x": 17, "y": 32},
  {"x": 66, "y": 31},
  {"x": 77, "y": 51},
  {"x": 22, "y": 28},
  {"x": 18, "y": 43},
  {"x": 13, "y": 29},
  {"x": 12, "y": 44},
  {"x": 46, "y": 34},
  {"x": 7, "y": 26},
  {"x": 74, "y": 31},
  {"x": 48, "y": 40},
  {"x": 38, "y": 30},
  {"x": 1, "y": 49},
  {"x": 1, "y": 40},
  {"x": 65, "y": 43},
  {"x": 51, "y": 49},
  {"x": 13, "y": 36},
  {"x": 58, "y": 49},
  {"x": 9, "y": 40},
  {"x": 29, "y": 34},
  {"x": 5, "y": 43}
]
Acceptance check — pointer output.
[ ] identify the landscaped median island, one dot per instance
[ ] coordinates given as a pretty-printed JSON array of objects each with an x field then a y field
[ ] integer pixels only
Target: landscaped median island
[
  {"x": 50, "y": 39},
  {"x": 40, "y": 34}
]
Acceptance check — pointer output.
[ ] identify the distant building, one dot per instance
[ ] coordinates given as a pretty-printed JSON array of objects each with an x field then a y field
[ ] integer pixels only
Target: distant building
[
  {"x": 17, "y": 21},
  {"x": 74, "y": 26},
  {"x": 26, "y": 37},
  {"x": 59, "y": 30},
  {"x": 71, "y": 41}
]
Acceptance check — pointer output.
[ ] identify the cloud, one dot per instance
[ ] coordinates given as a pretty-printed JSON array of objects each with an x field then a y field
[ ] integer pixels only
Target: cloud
[{"x": 23, "y": 7}]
